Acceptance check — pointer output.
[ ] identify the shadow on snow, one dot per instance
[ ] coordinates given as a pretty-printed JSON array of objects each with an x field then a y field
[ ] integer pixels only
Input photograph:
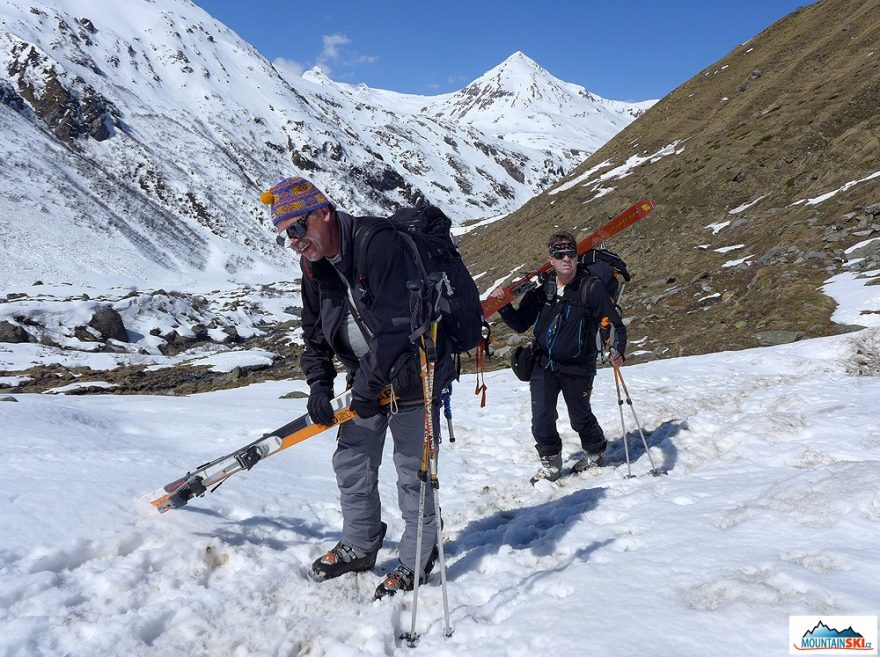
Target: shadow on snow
[
  {"x": 658, "y": 437},
  {"x": 537, "y": 528}
]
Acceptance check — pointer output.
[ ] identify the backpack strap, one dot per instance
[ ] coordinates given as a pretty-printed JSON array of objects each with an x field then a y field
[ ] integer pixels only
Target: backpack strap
[
  {"x": 586, "y": 290},
  {"x": 547, "y": 281},
  {"x": 364, "y": 231}
]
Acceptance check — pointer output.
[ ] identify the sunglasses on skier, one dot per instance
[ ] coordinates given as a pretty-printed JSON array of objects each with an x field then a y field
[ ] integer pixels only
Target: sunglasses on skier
[
  {"x": 559, "y": 251},
  {"x": 296, "y": 230}
]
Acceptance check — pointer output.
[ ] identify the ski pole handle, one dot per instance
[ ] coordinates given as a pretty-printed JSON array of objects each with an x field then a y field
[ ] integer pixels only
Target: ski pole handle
[
  {"x": 612, "y": 337},
  {"x": 609, "y": 343}
]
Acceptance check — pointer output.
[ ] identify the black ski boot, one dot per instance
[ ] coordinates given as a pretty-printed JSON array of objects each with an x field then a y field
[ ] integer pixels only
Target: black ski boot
[
  {"x": 402, "y": 578},
  {"x": 551, "y": 469},
  {"x": 588, "y": 461},
  {"x": 344, "y": 558}
]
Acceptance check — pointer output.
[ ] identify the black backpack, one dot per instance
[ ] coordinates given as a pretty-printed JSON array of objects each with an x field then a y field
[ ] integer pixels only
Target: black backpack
[
  {"x": 605, "y": 266},
  {"x": 427, "y": 228}
]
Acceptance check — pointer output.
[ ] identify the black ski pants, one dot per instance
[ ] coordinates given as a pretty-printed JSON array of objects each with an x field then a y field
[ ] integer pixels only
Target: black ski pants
[{"x": 576, "y": 389}]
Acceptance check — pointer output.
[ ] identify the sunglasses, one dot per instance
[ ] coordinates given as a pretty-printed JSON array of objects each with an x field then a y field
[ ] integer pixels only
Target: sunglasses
[
  {"x": 559, "y": 254},
  {"x": 296, "y": 230}
]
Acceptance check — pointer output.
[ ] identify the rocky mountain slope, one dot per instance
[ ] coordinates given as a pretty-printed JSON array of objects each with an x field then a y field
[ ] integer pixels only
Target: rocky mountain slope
[
  {"x": 766, "y": 170},
  {"x": 144, "y": 131},
  {"x": 765, "y": 167}
]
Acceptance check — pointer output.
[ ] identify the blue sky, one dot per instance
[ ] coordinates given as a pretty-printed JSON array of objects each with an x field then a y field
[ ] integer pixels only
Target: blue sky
[{"x": 624, "y": 50}]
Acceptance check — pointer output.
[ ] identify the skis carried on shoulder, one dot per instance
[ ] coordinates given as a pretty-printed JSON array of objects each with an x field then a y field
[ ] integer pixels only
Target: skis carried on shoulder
[
  {"x": 208, "y": 476},
  {"x": 622, "y": 221}
]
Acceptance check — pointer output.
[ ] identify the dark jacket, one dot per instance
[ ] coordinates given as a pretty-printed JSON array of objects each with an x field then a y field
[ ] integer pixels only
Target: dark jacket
[
  {"x": 385, "y": 313},
  {"x": 565, "y": 328}
]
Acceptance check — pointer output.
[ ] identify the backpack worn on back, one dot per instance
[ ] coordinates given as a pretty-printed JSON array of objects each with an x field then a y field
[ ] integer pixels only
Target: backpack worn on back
[
  {"x": 427, "y": 229},
  {"x": 606, "y": 266}
]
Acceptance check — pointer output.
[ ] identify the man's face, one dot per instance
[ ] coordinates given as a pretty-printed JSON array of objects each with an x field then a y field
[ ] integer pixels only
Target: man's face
[
  {"x": 563, "y": 257},
  {"x": 317, "y": 241}
]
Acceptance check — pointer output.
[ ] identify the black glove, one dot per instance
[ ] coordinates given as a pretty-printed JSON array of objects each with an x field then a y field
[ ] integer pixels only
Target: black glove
[
  {"x": 365, "y": 408},
  {"x": 319, "y": 406}
]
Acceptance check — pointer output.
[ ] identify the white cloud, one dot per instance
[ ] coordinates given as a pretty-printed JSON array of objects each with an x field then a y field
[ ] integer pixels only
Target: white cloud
[
  {"x": 288, "y": 68},
  {"x": 330, "y": 51},
  {"x": 332, "y": 43},
  {"x": 332, "y": 54}
]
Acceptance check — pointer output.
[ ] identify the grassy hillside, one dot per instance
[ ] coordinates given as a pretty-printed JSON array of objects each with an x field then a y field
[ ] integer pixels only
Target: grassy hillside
[{"x": 786, "y": 117}]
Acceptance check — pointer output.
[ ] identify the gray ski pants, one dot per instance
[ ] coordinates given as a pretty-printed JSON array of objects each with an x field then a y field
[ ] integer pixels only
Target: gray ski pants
[{"x": 356, "y": 464}]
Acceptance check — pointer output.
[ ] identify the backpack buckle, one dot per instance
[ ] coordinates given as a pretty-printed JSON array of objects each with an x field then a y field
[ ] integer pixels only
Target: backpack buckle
[{"x": 364, "y": 294}]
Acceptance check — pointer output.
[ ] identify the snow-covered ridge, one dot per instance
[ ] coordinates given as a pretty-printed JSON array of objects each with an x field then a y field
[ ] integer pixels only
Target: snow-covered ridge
[{"x": 144, "y": 131}]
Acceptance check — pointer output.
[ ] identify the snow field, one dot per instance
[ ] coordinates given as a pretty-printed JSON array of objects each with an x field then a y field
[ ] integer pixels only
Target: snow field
[{"x": 769, "y": 508}]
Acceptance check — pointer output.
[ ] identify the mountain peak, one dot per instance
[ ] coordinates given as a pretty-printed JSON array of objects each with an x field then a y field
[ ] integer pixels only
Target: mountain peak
[
  {"x": 519, "y": 58},
  {"x": 316, "y": 74},
  {"x": 520, "y": 95},
  {"x": 792, "y": 176},
  {"x": 514, "y": 69}
]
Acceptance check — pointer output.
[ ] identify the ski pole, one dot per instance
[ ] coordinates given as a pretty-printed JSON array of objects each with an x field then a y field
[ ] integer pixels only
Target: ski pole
[
  {"x": 605, "y": 349},
  {"x": 438, "y": 281},
  {"x": 415, "y": 303},
  {"x": 618, "y": 376},
  {"x": 654, "y": 470},
  {"x": 629, "y": 474},
  {"x": 427, "y": 356}
]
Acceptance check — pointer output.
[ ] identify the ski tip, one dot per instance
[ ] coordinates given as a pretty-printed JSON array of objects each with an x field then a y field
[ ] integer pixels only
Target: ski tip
[
  {"x": 158, "y": 502},
  {"x": 174, "y": 496}
]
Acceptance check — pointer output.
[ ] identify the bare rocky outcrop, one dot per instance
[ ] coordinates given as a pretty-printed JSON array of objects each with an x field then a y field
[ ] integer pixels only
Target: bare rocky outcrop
[
  {"x": 108, "y": 323},
  {"x": 13, "y": 333},
  {"x": 70, "y": 108}
]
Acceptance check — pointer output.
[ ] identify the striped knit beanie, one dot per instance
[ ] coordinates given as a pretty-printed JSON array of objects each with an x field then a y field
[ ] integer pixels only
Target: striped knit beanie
[{"x": 293, "y": 197}]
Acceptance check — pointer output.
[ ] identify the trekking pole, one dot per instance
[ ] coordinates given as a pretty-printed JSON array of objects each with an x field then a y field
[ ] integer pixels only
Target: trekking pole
[
  {"x": 427, "y": 357},
  {"x": 604, "y": 348},
  {"x": 629, "y": 474},
  {"x": 618, "y": 374},
  {"x": 438, "y": 281},
  {"x": 447, "y": 411}
]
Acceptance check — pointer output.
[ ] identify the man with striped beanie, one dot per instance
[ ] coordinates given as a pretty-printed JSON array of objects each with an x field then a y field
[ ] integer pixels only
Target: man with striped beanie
[{"x": 361, "y": 319}]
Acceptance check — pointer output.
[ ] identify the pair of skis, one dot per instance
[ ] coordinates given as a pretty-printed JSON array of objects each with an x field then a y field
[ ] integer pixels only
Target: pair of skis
[
  {"x": 208, "y": 476},
  {"x": 622, "y": 221}
]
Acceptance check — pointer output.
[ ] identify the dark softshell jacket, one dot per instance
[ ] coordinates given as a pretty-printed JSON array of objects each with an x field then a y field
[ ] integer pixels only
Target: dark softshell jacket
[
  {"x": 565, "y": 328},
  {"x": 385, "y": 313}
]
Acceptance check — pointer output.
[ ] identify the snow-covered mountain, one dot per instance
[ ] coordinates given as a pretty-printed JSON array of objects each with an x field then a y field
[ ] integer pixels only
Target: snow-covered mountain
[
  {"x": 137, "y": 136},
  {"x": 521, "y": 103}
]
